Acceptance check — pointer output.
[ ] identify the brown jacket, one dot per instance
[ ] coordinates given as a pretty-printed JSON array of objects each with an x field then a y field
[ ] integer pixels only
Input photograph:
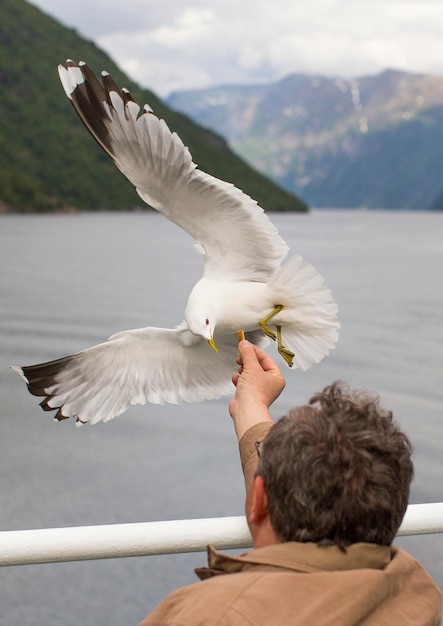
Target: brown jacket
[{"x": 295, "y": 584}]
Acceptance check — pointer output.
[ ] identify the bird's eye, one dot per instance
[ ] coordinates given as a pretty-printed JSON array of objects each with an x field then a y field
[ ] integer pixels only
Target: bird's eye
[{"x": 206, "y": 321}]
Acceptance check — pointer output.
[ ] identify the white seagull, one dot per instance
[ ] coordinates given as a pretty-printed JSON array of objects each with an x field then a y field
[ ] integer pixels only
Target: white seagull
[{"x": 244, "y": 284}]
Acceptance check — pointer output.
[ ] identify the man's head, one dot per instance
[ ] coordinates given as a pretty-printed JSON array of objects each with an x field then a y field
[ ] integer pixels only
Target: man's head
[{"x": 336, "y": 471}]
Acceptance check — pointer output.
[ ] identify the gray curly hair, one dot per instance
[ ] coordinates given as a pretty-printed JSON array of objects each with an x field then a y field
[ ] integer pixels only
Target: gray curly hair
[{"x": 337, "y": 471}]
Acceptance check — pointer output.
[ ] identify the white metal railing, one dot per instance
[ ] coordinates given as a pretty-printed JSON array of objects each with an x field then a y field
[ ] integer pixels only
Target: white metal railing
[{"x": 51, "y": 545}]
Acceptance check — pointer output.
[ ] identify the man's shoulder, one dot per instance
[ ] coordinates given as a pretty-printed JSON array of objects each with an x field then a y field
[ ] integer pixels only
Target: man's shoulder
[
  {"x": 263, "y": 593},
  {"x": 210, "y": 600}
]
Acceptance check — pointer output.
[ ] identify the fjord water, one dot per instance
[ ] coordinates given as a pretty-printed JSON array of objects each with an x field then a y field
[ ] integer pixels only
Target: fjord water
[{"x": 67, "y": 282}]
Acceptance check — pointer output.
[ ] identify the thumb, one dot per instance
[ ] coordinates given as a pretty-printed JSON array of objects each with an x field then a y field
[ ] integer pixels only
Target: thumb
[
  {"x": 247, "y": 353},
  {"x": 253, "y": 357}
]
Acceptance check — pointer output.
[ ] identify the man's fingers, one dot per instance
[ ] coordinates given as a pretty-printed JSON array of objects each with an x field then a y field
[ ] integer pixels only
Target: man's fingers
[{"x": 266, "y": 362}]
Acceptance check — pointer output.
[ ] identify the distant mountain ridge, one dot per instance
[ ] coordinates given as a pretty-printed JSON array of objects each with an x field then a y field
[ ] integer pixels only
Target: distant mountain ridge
[
  {"x": 374, "y": 142},
  {"x": 49, "y": 162}
]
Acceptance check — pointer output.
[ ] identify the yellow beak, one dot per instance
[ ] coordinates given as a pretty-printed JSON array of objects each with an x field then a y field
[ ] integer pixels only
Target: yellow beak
[{"x": 212, "y": 344}]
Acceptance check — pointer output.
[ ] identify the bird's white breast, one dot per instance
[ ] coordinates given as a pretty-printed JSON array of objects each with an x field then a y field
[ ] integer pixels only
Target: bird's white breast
[{"x": 235, "y": 305}]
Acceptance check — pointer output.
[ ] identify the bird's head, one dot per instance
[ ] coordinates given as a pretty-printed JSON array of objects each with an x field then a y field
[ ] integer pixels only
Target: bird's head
[
  {"x": 207, "y": 332},
  {"x": 210, "y": 338},
  {"x": 201, "y": 312},
  {"x": 203, "y": 325}
]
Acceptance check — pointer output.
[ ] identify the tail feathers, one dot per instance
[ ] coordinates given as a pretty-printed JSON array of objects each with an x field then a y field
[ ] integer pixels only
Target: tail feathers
[
  {"x": 302, "y": 283},
  {"x": 309, "y": 345},
  {"x": 309, "y": 316}
]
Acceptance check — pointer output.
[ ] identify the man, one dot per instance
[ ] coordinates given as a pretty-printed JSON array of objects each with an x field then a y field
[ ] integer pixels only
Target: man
[{"x": 326, "y": 490}]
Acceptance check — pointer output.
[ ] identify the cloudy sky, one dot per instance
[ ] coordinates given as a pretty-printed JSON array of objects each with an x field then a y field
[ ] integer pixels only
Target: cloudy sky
[{"x": 172, "y": 44}]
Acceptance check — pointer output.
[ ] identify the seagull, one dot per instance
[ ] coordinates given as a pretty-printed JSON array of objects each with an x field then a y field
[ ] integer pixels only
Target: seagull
[{"x": 246, "y": 284}]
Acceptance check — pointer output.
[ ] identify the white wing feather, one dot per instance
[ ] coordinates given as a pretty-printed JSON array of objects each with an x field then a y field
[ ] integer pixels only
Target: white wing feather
[
  {"x": 239, "y": 240},
  {"x": 134, "y": 367}
]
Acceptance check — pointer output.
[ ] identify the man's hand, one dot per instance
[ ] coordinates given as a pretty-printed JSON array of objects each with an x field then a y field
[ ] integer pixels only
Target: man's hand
[{"x": 258, "y": 383}]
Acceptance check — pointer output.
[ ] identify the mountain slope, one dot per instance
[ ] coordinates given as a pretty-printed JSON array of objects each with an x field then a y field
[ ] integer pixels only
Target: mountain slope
[
  {"x": 376, "y": 141},
  {"x": 48, "y": 160}
]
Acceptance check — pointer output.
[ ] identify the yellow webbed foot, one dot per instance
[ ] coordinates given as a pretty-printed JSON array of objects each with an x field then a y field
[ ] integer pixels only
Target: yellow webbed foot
[
  {"x": 267, "y": 331},
  {"x": 264, "y": 322},
  {"x": 284, "y": 352}
]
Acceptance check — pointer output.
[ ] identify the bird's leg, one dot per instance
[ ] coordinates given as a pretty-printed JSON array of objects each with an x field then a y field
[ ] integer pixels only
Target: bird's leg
[
  {"x": 285, "y": 353},
  {"x": 264, "y": 322}
]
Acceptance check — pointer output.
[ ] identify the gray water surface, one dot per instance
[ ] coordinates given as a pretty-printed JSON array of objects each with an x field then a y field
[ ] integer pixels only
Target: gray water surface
[{"x": 68, "y": 282}]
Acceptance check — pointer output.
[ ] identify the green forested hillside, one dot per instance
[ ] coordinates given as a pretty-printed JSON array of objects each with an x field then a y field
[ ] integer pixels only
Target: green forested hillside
[{"x": 48, "y": 161}]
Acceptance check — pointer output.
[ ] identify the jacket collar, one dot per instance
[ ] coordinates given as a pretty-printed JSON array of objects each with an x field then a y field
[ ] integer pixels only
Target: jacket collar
[{"x": 299, "y": 557}]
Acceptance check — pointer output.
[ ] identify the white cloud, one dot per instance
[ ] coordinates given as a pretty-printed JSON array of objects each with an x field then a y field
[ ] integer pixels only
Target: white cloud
[
  {"x": 172, "y": 45},
  {"x": 191, "y": 27}
]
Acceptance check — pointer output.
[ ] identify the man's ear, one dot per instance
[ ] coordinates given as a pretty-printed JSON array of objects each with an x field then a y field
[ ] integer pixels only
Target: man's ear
[{"x": 259, "y": 501}]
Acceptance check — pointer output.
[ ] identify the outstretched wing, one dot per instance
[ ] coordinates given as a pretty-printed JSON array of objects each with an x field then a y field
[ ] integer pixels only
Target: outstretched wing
[
  {"x": 235, "y": 234},
  {"x": 155, "y": 365}
]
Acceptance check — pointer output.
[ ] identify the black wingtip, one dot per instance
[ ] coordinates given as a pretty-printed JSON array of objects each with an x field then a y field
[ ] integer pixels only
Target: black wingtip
[
  {"x": 92, "y": 101},
  {"x": 41, "y": 378}
]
